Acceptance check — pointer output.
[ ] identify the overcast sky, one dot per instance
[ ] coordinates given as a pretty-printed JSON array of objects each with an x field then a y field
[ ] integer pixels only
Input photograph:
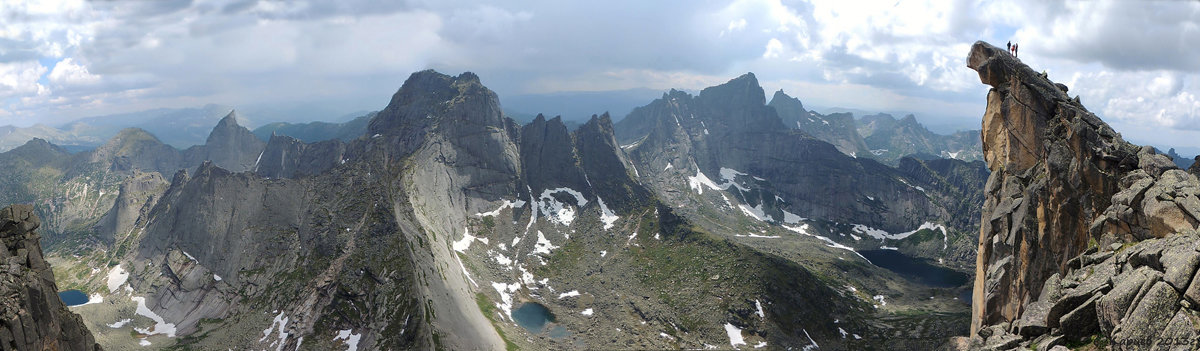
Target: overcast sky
[{"x": 1136, "y": 64}]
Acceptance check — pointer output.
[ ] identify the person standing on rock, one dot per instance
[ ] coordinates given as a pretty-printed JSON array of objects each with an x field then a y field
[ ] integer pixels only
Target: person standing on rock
[
  {"x": 1014, "y": 49},
  {"x": 1010, "y": 46}
]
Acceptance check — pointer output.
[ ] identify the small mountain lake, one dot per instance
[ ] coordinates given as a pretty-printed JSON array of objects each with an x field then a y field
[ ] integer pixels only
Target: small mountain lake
[
  {"x": 532, "y": 316},
  {"x": 73, "y": 297},
  {"x": 917, "y": 270}
]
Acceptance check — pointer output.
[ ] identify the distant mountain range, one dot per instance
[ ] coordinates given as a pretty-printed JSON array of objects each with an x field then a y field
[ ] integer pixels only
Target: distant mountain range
[{"x": 180, "y": 128}]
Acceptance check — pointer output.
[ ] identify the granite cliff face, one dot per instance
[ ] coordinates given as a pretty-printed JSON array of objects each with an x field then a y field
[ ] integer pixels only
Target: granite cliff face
[
  {"x": 1084, "y": 237},
  {"x": 32, "y": 316}
]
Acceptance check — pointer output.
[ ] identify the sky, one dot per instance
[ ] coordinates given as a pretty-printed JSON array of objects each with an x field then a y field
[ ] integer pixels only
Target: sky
[{"x": 1135, "y": 64}]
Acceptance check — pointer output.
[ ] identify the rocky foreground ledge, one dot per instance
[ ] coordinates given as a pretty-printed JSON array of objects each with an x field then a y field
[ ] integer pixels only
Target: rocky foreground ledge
[
  {"x": 32, "y": 316},
  {"x": 1085, "y": 238}
]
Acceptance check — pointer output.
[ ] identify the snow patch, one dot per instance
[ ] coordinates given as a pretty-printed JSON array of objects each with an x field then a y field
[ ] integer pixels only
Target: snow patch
[
  {"x": 160, "y": 326},
  {"x": 926, "y": 225},
  {"x": 543, "y": 246},
  {"x": 735, "y": 335},
  {"x": 700, "y": 181},
  {"x": 351, "y": 339},
  {"x": 885, "y": 247},
  {"x": 668, "y": 166},
  {"x": 756, "y": 212},
  {"x": 465, "y": 272},
  {"x": 603, "y": 252},
  {"x": 881, "y": 300},
  {"x": 116, "y": 277},
  {"x": 791, "y": 218},
  {"x": 559, "y": 212},
  {"x": 812, "y": 343},
  {"x": 752, "y": 235},
  {"x": 216, "y": 277},
  {"x": 571, "y": 293},
  {"x": 729, "y": 175},
  {"x": 913, "y": 186},
  {"x": 506, "y": 204},
  {"x": 501, "y": 259},
  {"x": 506, "y": 299},
  {"x": 465, "y": 243},
  {"x": 586, "y": 312},
  {"x": 803, "y": 229},
  {"x": 758, "y": 306},
  {"x": 94, "y": 298},
  {"x": 120, "y": 323},
  {"x": 606, "y": 215}
]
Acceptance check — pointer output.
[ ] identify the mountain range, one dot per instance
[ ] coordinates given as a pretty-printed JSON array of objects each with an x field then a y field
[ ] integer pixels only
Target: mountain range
[
  {"x": 443, "y": 221},
  {"x": 699, "y": 221}
]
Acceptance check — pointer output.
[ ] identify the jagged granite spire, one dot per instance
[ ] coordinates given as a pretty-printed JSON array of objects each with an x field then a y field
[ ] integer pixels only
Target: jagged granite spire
[{"x": 1069, "y": 243}]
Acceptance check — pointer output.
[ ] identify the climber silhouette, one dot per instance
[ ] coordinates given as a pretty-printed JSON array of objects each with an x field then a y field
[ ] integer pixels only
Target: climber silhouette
[
  {"x": 1009, "y": 46},
  {"x": 1014, "y": 49}
]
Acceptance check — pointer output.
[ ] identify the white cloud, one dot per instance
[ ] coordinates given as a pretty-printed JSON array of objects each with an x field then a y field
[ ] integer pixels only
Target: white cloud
[
  {"x": 21, "y": 78},
  {"x": 1157, "y": 98},
  {"x": 67, "y": 72},
  {"x": 774, "y": 48}
]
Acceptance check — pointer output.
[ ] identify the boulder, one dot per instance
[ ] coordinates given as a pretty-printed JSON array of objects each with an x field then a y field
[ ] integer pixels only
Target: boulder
[
  {"x": 1081, "y": 322},
  {"x": 1111, "y": 308},
  {"x": 1033, "y": 321},
  {"x": 1149, "y": 317},
  {"x": 1153, "y": 163},
  {"x": 1180, "y": 334},
  {"x": 1193, "y": 291},
  {"x": 1179, "y": 263}
]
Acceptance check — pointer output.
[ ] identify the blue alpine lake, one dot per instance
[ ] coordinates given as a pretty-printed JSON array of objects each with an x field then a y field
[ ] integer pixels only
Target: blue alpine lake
[
  {"x": 916, "y": 270},
  {"x": 73, "y": 297},
  {"x": 532, "y": 316}
]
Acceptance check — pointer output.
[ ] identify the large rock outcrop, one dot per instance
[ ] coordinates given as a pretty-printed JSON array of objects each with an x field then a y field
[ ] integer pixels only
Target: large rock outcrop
[
  {"x": 32, "y": 317},
  {"x": 1083, "y": 235}
]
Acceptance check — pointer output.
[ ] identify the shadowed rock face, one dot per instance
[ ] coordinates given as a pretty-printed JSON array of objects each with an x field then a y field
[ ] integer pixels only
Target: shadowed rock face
[
  {"x": 32, "y": 317},
  {"x": 1081, "y": 232}
]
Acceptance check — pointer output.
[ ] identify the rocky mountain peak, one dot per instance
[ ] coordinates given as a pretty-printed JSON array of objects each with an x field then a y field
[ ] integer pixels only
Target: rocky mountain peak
[
  {"x": 227, "y": 128},
  {"x": 783, "y": 99},
  {"x": 1076, "y": 222},
  {"x": 548, "y": 155},
  {"x": 229, "y": 121},
  {"x": 429, "y": 95},
  {"x": 737, "y": 93},
  {"x": 229, "y": 145},
  {"x": 39, "y": 151}
]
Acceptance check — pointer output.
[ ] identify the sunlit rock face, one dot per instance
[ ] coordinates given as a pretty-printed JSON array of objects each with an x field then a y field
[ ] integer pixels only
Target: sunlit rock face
[{"x": 1079, "y": 227}]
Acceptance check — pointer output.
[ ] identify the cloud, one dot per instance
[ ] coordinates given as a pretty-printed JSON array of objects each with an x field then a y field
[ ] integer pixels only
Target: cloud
[
  {"x": 122, "y": 56},
  {"x": 21, "y": 79},
  {"x": 67, "y": 72},
  {"x": 1123, "y": 35},
  {"x": 774, "y": 48},
  {"x": 1156, "y": 98}
]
